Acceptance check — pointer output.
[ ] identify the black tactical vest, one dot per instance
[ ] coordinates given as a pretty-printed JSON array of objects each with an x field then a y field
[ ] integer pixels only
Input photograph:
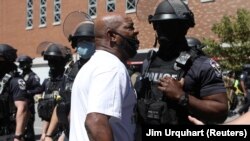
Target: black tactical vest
[
  {"x": 153, "y": 107},
  {"x": 49, "y": 99},
  {"x": 7, "y": 110}
]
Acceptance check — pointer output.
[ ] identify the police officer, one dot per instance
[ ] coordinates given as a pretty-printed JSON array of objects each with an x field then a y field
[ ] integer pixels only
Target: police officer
[
  {"x": 182, "y": 79},
  {"x": 245, "y": 84},
  {"x": 83, "y": 41},
  {"x": 57, "y": 57},
  {"x": 13, "y": 96},
  {"x": 33, "y": 87}
]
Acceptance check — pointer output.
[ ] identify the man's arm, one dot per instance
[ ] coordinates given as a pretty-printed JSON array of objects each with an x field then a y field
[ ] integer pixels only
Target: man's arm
[
  {"x": 242, "y": 120},
  {"x": 52, "y": 125},
  {"x": 21, "y": 116},
  {"x": 243, "y": 88},
  {"x": 213, "y": 108},
  {"x": 98, "y": 127},
  {"x": 36, "y": 87}
]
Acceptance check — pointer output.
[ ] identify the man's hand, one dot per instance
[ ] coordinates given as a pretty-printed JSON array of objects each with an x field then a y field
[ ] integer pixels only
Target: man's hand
[
  {"x": 171, "y": 87},
  {"x": 195, "y": 121}
]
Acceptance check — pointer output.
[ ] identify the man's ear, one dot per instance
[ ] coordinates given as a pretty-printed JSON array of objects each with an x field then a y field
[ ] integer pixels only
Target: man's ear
[{"x": 111, "y": 35}]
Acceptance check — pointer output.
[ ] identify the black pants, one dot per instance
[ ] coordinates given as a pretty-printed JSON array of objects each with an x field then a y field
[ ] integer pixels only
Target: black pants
[
  {"x": 29, "y": 131},
  {"x": 245, "y": 107}
]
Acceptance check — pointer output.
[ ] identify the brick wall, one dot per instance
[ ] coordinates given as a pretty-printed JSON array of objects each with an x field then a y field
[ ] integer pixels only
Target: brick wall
[{"x": 13, "y": 21}]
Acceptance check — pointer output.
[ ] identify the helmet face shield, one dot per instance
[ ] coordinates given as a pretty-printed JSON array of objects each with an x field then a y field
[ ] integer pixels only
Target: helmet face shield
[{"x": 24, "y": 65}]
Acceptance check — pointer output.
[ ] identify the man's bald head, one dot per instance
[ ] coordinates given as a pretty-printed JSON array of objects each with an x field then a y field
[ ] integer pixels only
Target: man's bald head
[{"x": 111, "y": 21}]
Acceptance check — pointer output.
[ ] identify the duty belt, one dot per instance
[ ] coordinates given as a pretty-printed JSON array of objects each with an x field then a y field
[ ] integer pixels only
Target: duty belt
[{"x": 48, "y": 96}]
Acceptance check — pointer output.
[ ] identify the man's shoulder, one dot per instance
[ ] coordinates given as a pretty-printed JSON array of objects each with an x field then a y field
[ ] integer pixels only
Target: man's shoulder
[
  {"x": 204, "y": 62},
  {"x": 18, "y": 81}
]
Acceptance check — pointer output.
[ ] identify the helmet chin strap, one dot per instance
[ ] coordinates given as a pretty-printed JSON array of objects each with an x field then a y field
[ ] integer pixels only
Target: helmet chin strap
[{"x": 156, "y": 41}]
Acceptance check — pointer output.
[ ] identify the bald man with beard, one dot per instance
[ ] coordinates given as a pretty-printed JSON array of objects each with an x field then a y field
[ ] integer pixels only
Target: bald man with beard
[{"x": 103, "y": 98}]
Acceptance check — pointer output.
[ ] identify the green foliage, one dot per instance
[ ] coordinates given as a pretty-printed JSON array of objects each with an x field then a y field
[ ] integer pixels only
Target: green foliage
[{"x": 235, "y": 32}]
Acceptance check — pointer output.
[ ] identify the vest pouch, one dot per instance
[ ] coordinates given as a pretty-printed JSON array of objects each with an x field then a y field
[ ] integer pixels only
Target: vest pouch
[
  {"x": 45, "y": 108},
  {"x": 4, "y": 107},
  {"x": 157, "y": 113},
  {"x": 62, "y": 112},
  {"x": 152, "y": 112}
]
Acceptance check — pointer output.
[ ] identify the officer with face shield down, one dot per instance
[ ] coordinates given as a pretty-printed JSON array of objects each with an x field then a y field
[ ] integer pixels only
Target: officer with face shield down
[
  {"x": 82, "y": 39},
  {"x": 13, "y": 97},
  {"x": 181, "y": 80},
  {"x": 33, "y": 87},
  {"x": 57, "y": 56}
]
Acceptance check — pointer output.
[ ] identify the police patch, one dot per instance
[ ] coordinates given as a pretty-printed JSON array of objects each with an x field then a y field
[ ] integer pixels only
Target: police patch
[
  {"x": 21, "y": 84},
  {"x": 37, "y": 78},
  {"x": 216, "y": 67}
]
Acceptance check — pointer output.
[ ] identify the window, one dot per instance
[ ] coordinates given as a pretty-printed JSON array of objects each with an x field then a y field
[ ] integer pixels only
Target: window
[
  {"x": 42, "y": 13},
  {"x": 185, "y": 1},
  {"x": 110, "y": 5},
  {"x": 207, "y": 0},
  {"x": 130, "y": 6},
  {"x": 57, "y": 12},
  {"x": 92, "y": 8},
  {"x": 29, "y": 14}
]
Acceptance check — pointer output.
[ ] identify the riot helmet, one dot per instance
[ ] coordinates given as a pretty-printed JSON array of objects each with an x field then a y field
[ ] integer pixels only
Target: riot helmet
[
  {"x": 57, "y": 57},
  {"x": 25, "y": 62},
  {"x": 169, "y": 10},
  {"x": 55, "y": 52},
  {"x": 171, "y": 20},
  {"x": 7, "y": 53},
  {"x": 7, "y": 59},
  {"x": 83, "y": 30}
]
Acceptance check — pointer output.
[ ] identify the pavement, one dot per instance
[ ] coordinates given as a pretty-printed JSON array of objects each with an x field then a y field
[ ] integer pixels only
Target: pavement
[
  {"x": 38, "y": 122},
  {"x": 37, "y": 126},
  {"x": 230, "y": 118}
]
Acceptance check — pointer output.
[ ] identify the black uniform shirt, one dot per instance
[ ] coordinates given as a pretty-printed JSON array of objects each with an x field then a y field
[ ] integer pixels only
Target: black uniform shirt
[
  {"x": 33, "y": 83},
  {"x": 245, "y": 77},
  {"x": 202, "y": 79},
  {"x": 17, "y": 88}
]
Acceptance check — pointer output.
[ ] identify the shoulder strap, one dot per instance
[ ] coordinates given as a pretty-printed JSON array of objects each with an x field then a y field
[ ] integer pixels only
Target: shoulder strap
[
  {"x": 147, "y": 62},
  {"x": 5, "y": 79}
]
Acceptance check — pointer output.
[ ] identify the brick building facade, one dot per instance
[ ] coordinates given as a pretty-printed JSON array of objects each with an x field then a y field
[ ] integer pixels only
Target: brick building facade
[{"x": 14, "y": 31}]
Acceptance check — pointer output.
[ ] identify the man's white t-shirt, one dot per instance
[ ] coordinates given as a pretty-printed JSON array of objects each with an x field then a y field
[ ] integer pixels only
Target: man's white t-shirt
[{"x": 103, "y": 85}]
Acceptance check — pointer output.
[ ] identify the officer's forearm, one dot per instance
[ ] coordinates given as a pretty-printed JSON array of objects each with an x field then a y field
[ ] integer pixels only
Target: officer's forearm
[
  {"x": 53, "y": 123},
  {"x": 35, "y": 91},
  {"x": 21, "y": 116}
]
